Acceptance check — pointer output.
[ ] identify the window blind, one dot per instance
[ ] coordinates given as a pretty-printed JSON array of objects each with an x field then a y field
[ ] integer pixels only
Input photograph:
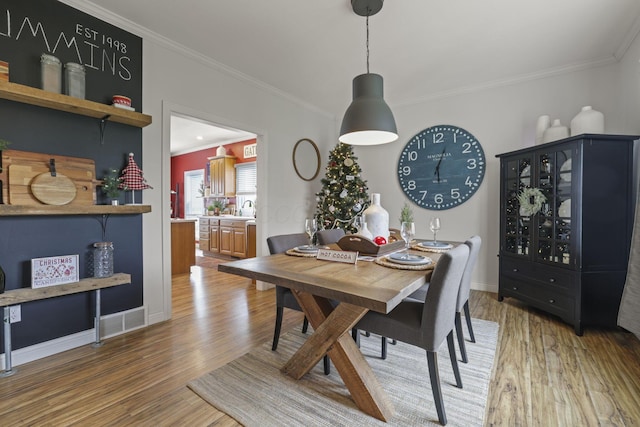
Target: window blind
[{"x": 246, "y": 178}]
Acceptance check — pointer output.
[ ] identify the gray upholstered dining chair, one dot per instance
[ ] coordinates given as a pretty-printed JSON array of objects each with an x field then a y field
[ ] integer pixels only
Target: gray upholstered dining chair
[
  {"x": 426, "y": 324},
  {"x": 330, "y": 235},
  {"x": 284, "y": 296},
  {"x": 474, "y": 243}
]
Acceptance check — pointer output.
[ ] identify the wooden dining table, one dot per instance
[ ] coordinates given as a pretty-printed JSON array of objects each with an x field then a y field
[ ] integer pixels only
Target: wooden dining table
[{"x": 358, "y": 288}]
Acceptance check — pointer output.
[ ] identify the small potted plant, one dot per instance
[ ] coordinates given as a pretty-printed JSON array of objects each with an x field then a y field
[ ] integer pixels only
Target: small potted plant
[
  {"x": 406, "y": 214},
  {"x": 210, "y": 210},
  {"x": 218, "y": 206},
  {"x": 110, "y": 185}
]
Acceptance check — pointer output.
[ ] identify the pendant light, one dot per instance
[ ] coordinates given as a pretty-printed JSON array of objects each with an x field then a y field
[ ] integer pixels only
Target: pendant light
[{"x": 368, "y": 120}]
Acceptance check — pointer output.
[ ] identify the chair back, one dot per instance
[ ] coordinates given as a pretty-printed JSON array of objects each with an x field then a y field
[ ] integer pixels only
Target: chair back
[
  {"x": 332, "y": 235},
  {"x": 284, "y": 242},
  {"x": 438, "y": 315},
  {"x": 474, "y": 244}
]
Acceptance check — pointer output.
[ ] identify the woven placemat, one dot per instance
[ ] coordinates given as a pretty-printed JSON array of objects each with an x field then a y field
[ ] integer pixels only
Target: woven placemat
[
  {"x": 384, "y": 261},
  {"x": 419, "y": 247},
  {"x": 293, "y": 252}
]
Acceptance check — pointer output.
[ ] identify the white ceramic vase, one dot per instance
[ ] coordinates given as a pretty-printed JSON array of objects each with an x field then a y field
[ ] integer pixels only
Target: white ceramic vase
[
  {"x": 587, "y": 120},
  {"x": 364, "y": 232},
  {"x": 555, "y": 132},
  {"x": 377, "y": 218},
  {"x": 543, "y": 123}
]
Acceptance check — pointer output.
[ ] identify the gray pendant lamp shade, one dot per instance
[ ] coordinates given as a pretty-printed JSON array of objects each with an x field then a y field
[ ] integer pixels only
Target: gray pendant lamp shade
[{"x": 368, "y": 120}]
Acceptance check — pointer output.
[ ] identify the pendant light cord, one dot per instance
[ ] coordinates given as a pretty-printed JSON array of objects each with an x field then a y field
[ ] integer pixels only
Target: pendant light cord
[{"x": 367, "y": 41}]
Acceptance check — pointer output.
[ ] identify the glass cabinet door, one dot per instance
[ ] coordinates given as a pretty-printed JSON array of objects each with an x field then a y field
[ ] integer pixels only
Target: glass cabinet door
[
  {"x": 553, "y": 218},
  {"x": 519, "y": 175}
]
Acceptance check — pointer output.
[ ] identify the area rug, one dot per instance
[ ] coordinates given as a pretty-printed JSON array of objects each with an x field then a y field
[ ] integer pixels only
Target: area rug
[{"x": 254, "y": 391}]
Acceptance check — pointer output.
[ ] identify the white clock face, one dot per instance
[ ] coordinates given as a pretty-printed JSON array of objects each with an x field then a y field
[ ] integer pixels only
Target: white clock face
[{"x": 441, "y": 167}]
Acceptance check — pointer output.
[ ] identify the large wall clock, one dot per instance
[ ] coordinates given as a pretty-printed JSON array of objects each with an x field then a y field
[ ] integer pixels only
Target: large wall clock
[{"x": 441, "y": 167}]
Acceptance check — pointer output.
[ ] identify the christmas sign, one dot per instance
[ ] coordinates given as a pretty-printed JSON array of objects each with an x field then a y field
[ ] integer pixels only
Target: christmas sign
[{"x": 52, "y": 271}]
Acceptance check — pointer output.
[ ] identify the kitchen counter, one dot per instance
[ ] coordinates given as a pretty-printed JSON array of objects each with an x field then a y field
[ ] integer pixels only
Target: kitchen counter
[
  {"x": 183, "y": 245},
  {"x": 227, "y": 236}
]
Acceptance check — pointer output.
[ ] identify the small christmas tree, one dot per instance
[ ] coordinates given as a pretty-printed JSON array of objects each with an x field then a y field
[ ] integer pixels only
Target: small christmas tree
[
  {"x": 132, "y": 179},
  {"x": 344, "y": 194}
]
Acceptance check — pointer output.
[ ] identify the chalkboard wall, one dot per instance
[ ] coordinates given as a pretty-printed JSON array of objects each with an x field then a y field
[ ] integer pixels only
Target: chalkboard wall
[{"x": 113, "y": 62}]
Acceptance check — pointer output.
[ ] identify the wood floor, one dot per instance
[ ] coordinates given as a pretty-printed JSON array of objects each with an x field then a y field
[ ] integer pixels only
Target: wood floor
[{"x": 544, "y": 375}]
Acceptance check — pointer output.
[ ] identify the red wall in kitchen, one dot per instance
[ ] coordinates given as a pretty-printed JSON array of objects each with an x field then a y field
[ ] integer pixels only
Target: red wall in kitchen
[{"x": 198, "y": 160}]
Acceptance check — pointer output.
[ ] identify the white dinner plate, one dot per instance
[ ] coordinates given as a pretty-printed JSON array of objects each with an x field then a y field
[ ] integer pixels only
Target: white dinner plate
[
  {"x": 525, "y": 175},
  {"x": 565, "y": 209},
  {"x": 565, "y": 171},
  {"x": 435, "y": 245},
  {"x": 308, "y": 249},
  {"x": 409, "y": 259}
]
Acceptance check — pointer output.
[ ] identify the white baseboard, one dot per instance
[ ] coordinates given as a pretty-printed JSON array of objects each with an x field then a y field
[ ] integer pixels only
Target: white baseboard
[
  {"x": 110, "y": 326},
  {"x": 484, "y": 287}
]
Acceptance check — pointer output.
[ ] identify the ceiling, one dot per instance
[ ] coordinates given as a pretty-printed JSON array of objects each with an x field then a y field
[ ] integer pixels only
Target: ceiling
[
  {"x": 310, "y": 50},
  {"x": 190, "y": 134}
]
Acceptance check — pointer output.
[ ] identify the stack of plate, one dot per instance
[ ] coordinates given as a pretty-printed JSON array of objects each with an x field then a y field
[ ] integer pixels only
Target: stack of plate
[{"x": 408, "y": 259}]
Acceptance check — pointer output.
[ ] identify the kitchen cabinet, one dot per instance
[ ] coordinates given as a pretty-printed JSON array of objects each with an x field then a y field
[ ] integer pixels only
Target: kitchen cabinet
[
  {"x": 233, "y": 238},
  {"x": 227, "y": 236},
  {"x": 214, "y": 235},
  {"x": 203, "y": 234},
  {"x": 222, "y": 173},
  {"x": 566, "y": 219}
]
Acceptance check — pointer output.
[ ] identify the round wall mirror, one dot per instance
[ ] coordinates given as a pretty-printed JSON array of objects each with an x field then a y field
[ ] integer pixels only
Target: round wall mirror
[{"x": 306, "y": 159}]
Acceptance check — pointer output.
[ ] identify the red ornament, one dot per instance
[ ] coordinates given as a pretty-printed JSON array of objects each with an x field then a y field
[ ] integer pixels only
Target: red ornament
[{"x": 380, "y": 240}]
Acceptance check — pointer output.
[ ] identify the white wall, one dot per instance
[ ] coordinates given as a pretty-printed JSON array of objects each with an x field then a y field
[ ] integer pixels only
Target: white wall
[{"x": 503, "y": 119}]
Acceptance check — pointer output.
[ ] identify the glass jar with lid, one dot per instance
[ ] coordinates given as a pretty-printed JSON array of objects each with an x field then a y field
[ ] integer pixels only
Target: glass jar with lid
[
  {"x": 74, "y": 80},
  {"x": 51, "y": 73},
  {"x": 103, "y": 259}
]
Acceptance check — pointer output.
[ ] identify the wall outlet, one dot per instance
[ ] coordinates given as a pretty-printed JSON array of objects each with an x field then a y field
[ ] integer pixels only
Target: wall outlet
[{"x": 15, "y": 314}]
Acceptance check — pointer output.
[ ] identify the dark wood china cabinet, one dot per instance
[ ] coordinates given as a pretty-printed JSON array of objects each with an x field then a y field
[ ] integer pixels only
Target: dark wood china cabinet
[{"x": 566, "y": 219}]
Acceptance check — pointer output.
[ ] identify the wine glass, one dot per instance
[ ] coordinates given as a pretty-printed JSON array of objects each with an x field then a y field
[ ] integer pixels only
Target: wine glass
[
  {"x": 358, "y": 223},
  {"x": 434, "y": 226},
  {"x": 407, "y": 231},
  {"x": 310, "y": 226}
]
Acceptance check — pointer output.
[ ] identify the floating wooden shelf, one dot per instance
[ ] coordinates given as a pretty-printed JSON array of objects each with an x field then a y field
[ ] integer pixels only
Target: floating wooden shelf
[
  {"x": 19, "y": 210},
  {"x": 22, "y": 295},
  {"x": 41, "y": 98}
]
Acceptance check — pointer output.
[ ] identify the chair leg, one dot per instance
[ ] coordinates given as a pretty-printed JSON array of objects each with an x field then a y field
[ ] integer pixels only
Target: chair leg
[
  {"x": 454, "y": 359},
  {"x": 305, "y": 325},
  {"x": 463, "y": 349},
  {"x": 468, "y": 317},
  {"x": 276, "y": 331},
  {"x": 432, "y": 361},
  {"x": 327, "y": 365},
  {"x": 384, "y": 348},
  {"x": 355, "y": 334}
]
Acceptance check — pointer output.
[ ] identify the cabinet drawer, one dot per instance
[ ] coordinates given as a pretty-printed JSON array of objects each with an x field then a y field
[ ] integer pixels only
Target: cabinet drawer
[
  {"x": 529, "y": 272},
  {"x": 233, "y": 223},
  {"x": 203, "y": 222},
  {"x": 542, "y": 297},
  {"x": 204, "y": 228}
]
